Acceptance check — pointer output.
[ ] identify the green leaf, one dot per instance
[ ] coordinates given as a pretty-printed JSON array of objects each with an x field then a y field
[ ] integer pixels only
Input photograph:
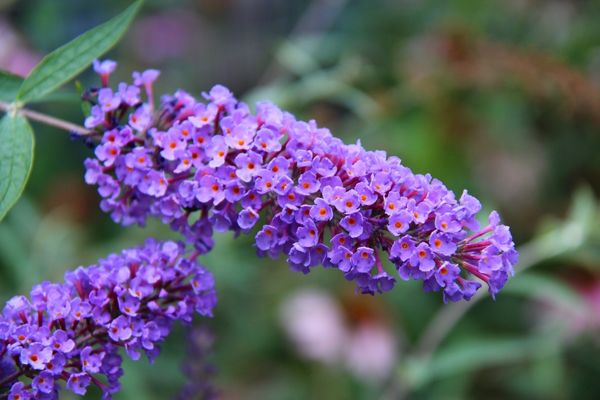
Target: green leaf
[
  {"x": 475, "y": 354},
  {"x": 69, "y": 60},
  {"x": 16, "y": 159},
  {"x": 549, "y": 289},
  {"x": 9, "y": 86}
]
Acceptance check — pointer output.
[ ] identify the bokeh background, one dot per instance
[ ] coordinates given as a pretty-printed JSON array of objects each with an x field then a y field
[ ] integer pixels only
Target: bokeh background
[{"x": 499, "y": 97}]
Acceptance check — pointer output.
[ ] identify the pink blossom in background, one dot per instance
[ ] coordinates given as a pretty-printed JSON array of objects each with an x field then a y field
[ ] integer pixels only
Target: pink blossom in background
[
  {"x": 15, "y": 57},
  {"x": 316, "y": 324},
  {"x": 169, "y": 33}
]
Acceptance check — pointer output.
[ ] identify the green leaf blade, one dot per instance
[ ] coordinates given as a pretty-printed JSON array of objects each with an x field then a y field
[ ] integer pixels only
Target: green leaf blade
[
  {"x": 69, "y": 60},
  {"x": 9, "y": 86},
  {"x": 16, "y": 159}
]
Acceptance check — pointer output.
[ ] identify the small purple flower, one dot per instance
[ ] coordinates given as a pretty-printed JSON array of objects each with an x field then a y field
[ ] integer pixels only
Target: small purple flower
[
  {"x": 120, "y": 329},
  {"x": 349, "y": 202},
  {"x": 61, "y": 342},
  {"x": 446, "y": 274},
  {"x": 91, "y": 361},
  {"x": 79, "y": 382},
  {"x": 95, "y": 118},
  {"x": 248, "y": 165},
  {"x": 154, "y": 184},
  {"x": 321, "y": 211},
  {"x": 18, "y": 391},
  {"x": 447, "y": 223},
  {"x": 141, "y": 118},
  {"x": 324, "y": 166},
  {"x": 129, "y": 95},
  {"x": 219, "y": 95},
  {"x": 171, "y": 143},
  {"x": 307, "y": 183},
  {"x": 107, "y": 153},
  {"x": 308, "y": 235},
  {"x": 266, "y": 238},
  {"x": 145, "y": 78},
  {"x": 247, "y": 218},
  {"x": 44, "y": 382},
  {"x": 353, "y": 224},
  {"x": 363, "y": 259},
  {"x": 442, "y": 243},
  {"x": 265, "y": 181},
  {"x": 108, "y": 100},
  {"x": 104, "y": 68},
  {"x": 366, "y": 194},
  {"x": 129, "y": 305},
  {"x": 422, "y": 258},
  {"x": 341, "y": 256},
  {"x": 267, "y": 140},
  {"x": 36, "y": 355},
  {"x": 210, "y": 189},
  {"x": 399, "y": 223}
]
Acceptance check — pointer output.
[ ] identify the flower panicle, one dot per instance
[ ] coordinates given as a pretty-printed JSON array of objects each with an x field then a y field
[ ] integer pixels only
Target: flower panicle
[
  {"x": 72, "y": 332},
  {"x": 213, "y": 165}
]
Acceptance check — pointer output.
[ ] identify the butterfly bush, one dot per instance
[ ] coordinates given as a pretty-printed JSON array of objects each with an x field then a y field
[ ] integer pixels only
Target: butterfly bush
[
  {"x": 214, "y": 165},
  {"x": 72, "y": 332}
]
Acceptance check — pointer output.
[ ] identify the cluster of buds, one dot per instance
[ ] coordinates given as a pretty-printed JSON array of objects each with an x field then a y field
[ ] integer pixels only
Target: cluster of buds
[
  {"x": 216, "y": 166},
  {"x": 72, "y": 332}
]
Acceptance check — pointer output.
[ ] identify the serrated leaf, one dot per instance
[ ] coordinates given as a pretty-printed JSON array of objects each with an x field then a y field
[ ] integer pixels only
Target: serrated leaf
[
  {"x": 16, "y": 159},
  {"x": 69, "y": 60},
  {"x": 9, "y": 86}
]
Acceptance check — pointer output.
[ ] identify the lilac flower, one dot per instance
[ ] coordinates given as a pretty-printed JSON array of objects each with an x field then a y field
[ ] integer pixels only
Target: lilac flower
[
  {"x": 320, "y": 210},
  {"x": 247, "y": 218},
  {"x": 108, "y": 100},
  {"x": 79, "y": 382},
  {"x": 353, "y": 224},
  {"x": 422, "y": 258},
  {"x": 104, "y": 69},
  {"x": 399, "y": 222},
  {"x": 442, "y": 244},
  {"x": 363, "y": 259},
  {"x": 36, "y": 356},
  {"x": 71, "y": 332},
  {"x": 91, "y": 361},
  {"x": 44, "y": 382},
  {"x": 308, "y": 235},
  {"x": 304, "y": 190},
  {"x": 145, "y": 78},
  {"x": 308, "y": 183},
  {"x": 130, "y": 95}
]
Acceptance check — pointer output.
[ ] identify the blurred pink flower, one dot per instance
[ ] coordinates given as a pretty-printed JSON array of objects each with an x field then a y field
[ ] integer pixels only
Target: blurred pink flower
[
  {"x": 15, "y": 57},
  {"x": 169, "y": 33},
  {"x": 316, "y": 325},
  {"x": 371, "y": 352},
  {"x": 314, "y": 322}
]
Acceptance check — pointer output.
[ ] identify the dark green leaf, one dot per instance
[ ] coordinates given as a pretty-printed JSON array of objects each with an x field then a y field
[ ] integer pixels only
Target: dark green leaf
[
  {"x": 9, "y": 86},
  {"x": 16, "y": 159},
  {"x": 69, "y": 60}
]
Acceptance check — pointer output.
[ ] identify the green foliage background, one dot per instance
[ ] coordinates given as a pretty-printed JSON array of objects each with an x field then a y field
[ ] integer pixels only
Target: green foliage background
[{"x": 499, "y": 97}]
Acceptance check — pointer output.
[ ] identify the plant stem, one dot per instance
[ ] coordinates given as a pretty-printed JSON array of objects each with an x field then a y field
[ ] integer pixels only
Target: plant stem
[
  {"x": 10, "y": 378},
  {"x": 48, "y": 120}
]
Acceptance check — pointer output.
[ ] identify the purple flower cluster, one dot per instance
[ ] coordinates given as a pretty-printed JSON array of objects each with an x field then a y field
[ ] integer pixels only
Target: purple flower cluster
[
  {"x": 72, "y": 332},
  {"x": 215, "y": 165}
]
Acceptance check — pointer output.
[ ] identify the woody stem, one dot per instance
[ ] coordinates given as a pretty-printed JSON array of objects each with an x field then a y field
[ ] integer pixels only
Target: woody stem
[{"x": 47, "y": 120}]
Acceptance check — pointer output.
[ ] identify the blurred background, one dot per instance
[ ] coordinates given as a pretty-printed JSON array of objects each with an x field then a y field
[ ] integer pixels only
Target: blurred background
[{"x": 499, "y": 97}]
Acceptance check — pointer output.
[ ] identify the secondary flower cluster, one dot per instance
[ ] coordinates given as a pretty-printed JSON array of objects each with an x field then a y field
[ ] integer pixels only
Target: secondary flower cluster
[
  {"x": 72, "y": 332},
  {"x": 215, "y": 165}
]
